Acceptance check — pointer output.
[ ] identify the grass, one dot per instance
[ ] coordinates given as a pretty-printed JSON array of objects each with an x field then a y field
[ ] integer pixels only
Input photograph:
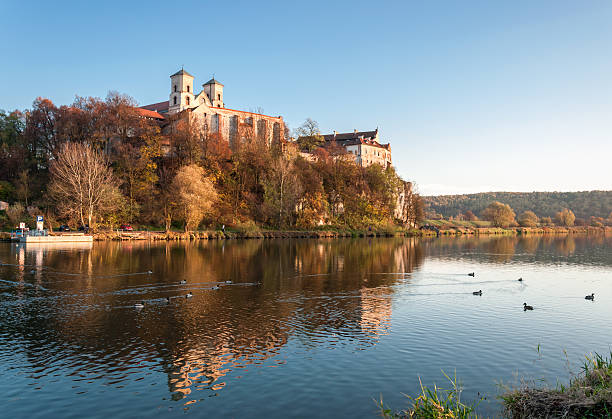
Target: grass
[
  {"x": 589, "y": 395},
  {"x": 434, "y": 403}
]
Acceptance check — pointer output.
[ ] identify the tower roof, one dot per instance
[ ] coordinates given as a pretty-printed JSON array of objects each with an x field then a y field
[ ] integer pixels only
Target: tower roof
[
  {"x": 213, "y": 81},
  {"x": 181, "y": 72}
]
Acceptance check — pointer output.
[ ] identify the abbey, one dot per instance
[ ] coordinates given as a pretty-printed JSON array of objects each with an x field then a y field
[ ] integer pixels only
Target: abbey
[{"x": 207, "y": 110}]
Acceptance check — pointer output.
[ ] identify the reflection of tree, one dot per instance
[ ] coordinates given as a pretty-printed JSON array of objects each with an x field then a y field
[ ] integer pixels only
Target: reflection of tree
[
  {"x": 529, "y": 243},
  {"x": 323, "y": 292},
  {"x": 566, "y": 246}
]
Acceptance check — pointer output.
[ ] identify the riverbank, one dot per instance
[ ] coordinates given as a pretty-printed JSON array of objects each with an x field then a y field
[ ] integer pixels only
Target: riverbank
[
  {"x": 588, "y": 395},
  {"x": 478, "y": 230},
  {"x": 120, "y": 235}
]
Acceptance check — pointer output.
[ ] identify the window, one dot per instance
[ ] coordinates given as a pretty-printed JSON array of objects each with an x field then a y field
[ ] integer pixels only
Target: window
[
  {"x": 175, "y": 87},
  {"x": 219, "y": 96},
  {"x": 188, "y": 100},
  {"x": 175, "y": 100},
  {"x": 188, "y": 87}
]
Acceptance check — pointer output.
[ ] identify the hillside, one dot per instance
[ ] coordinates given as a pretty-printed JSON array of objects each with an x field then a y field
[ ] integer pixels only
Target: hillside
[{"x": 544, "y": 204}]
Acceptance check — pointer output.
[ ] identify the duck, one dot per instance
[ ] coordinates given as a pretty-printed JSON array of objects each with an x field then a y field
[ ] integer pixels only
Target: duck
[
  {"x": 139, "y": 305},
  {"x": 182, "y": 282},
  {"x": 228, "y": 282},
  {"x": 471, "y": 274},
  {"x": 149, "y": 272},
  {"x": 215, "y": 288},
  {"x": 479, "y": 292},
  {"x": 590, "y": 297},
  {"x": 189, "y": 295},
  {"x": 520, "y": 280},
  {"x": 526, "y": 307},
  {"x": 167, "y": 299}
]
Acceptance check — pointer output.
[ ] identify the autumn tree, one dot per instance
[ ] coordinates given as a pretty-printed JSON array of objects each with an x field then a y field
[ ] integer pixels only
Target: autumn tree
[
  {"x": 528, "y": 219},
  {"x": 194, "y": 195},
  {"x": 500, "y": 215},
  {"x": 470, "y": 216},
  {"x": 309, "y": 135},
  {"x": 281, "y": 191},
  {"x": 565, "y": 217},
  {"x": 82, "y": 184}
]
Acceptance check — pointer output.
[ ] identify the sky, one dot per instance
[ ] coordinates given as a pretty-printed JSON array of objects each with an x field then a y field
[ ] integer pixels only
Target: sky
[{"x": 474, "y": 96}]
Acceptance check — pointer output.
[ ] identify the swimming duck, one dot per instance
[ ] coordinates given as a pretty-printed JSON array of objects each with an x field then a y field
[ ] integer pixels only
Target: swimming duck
[
  {"x": 526, "y": 307},
  {"x": 228, "y": 282},
  {"x": 167, "y": 299},
  {"x": 479, "y": 292},
  {"x": 189, "y": 295},
  {"x": 182, "y": 282},
  {"x": 215, "y": 288},
  {"x": 590, "y": 297},
  {"x": 139, "y": 305},
  {"x": 149, "y": 272},
  {"x": 520, "y": 279},
  {"x": 471, "y": 274}
]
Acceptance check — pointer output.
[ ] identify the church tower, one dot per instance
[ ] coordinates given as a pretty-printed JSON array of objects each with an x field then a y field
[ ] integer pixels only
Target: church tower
[
  {"x": 181, "y": 91},
  {"x": 214, "y": 91}
]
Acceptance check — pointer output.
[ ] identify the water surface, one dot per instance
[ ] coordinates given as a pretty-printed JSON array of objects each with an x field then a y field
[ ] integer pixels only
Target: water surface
[{"x": 306, "y": 328}]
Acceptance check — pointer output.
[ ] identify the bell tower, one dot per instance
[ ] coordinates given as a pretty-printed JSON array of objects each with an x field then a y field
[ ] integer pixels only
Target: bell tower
[
  {"x": 181, "y": 91},
  {"x": 214, "y": 91}
]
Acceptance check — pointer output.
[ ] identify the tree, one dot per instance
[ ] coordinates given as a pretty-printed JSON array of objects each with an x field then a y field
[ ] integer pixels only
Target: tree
[
  {"x": 470, "y": 216},
  {"x": 565, "y": 217},
  {"x": 528, "y": 219},
  {"x": 500, "y": 215},
  {"x": 82, "y": 184},
  {"x": 281, "y": 191},
  {"x": 309, "y": 135},
  {"x": 194, "y": 195}
]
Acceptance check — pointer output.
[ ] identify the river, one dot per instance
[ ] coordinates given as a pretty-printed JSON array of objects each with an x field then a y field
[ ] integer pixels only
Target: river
[{"x": 303, "y": 328}]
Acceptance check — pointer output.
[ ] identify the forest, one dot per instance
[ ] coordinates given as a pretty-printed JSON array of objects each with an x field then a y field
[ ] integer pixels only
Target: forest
[
  {"x": 100, "y": 163},
  {"x": 544, "y": 204}
]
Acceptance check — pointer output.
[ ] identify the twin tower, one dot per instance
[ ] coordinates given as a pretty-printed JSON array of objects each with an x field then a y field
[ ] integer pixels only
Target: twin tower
[{"x": 182, "y": 95}]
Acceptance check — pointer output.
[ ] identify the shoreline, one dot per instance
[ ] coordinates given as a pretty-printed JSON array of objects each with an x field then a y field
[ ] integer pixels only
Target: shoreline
[{"x": 114, "y": 235}]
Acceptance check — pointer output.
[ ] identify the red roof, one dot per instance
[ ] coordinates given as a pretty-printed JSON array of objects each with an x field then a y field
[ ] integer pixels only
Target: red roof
[{"x": 150, "y": 114}]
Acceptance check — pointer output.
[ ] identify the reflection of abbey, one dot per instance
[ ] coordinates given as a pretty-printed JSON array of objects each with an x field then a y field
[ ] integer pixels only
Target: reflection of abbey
[{"x": 207, "y": 110}]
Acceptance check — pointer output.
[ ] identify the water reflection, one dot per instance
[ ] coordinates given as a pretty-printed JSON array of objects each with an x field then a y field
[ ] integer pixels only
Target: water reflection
[
  {"x": 67, "y": 314},
  {"x": 77, "y": 305}
]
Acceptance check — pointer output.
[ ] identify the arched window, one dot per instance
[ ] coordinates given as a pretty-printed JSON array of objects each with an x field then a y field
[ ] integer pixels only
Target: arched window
[
  {"x": 219, "y": 96},
  {"x": 175, "y": 100},
  {"x": 188, "y": 87},
  {"x": 188, "y": 100},
  {"x": 175, "y": 87}
]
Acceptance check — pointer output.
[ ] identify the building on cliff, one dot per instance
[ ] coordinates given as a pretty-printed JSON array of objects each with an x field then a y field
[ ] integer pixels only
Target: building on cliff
[
  {"x": 208, "y": 112},
  {"x": 364, "y": 146}
]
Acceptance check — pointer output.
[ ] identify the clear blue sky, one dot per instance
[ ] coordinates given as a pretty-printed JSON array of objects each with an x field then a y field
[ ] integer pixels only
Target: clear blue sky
[{"x": 473, "y": 95}]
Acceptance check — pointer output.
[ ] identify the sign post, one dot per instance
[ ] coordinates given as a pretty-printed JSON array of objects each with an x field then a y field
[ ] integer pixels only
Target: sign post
[{"x": 39, "y": 223}]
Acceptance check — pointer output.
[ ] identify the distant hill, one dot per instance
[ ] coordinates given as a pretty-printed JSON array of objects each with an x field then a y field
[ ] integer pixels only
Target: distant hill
[{"x": 544, "y": 204}]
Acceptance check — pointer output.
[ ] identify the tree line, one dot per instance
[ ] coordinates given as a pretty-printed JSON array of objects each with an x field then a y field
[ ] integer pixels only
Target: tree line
[
  {"x": 502, "y": 215},
  {"x": 100, "y": 163},
  {"x": 545, "y": 204}
]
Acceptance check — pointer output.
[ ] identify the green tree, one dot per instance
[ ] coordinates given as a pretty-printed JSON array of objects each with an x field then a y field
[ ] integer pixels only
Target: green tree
[
  {"x": 528, "y": 219},
  {"x": 500, "y": 215}
]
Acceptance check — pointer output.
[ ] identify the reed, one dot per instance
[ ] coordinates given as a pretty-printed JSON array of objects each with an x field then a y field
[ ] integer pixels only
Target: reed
[{"x": 434, "y": 403}]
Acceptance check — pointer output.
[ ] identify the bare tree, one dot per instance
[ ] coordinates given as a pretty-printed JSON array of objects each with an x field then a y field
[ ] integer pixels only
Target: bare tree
[{"x": 82, "y": 184}]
